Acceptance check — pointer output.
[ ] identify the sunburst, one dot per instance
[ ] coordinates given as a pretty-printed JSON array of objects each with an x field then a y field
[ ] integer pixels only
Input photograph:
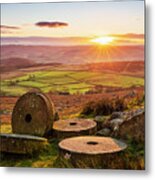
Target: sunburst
[{"x": 104, "y": 40}]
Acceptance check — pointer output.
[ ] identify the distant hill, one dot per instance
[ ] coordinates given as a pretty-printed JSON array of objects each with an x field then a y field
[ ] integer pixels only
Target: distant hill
[
  {"x": 127, "y": 66},
  {"x": 10, "y": 64},
  {"x": 45, "y": 41},
  {"x": 133, "y": 68},
  {"x": 73, "y": 54}
]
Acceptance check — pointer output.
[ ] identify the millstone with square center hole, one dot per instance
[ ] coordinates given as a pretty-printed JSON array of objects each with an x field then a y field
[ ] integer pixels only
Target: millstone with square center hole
[
  {"x": 21, "y": 144},
  {"x": 74, "y": 127},
  {"x": 92, "y": 151},
  {"x": 33, "y": 114}
]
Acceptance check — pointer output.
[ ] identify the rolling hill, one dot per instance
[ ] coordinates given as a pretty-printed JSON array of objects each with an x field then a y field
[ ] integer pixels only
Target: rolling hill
[{"x": 73, "y": 54}]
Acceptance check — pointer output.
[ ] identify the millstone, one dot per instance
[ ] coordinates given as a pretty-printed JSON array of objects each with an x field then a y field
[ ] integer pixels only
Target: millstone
[
  {"x": 33, "y": 114},
  {"x": 21, "y": 144},
  {"x": 90, "y": 151},
  {"x": 74, "y": 127}
]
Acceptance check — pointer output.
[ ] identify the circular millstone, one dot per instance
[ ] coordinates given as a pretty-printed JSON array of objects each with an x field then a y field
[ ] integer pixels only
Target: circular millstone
[
  {"x": 87, "y": 151},
  {"x": 21, "y": 144},
  {"x": 33, "y": 114},
  {"x": 74, "y": 127}
]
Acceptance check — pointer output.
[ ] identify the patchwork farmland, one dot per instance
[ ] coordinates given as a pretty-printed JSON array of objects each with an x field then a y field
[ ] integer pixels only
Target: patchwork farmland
[{"x": 71, "y": 82}]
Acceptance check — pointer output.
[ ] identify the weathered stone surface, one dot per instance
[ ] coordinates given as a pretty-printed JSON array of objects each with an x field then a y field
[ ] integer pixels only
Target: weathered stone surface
[
  {"x": 104, "y": 132},
  {"x": 90, "y": 151},
  {"x": 116, "y": 115},
  {"x": 115, "y": 123},
  {"x": 33, "y": 114},
  {"x": 21, "y": 144},
  {"x": 74, "y": 127},
  {"x": 133, "y": 128},
  {"x": 100, "y": 121},
  {"x": 99, "y": 118}
]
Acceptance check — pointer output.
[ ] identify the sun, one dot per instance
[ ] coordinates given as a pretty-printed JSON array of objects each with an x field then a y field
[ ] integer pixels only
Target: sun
[{"x": 105, "y": 40}]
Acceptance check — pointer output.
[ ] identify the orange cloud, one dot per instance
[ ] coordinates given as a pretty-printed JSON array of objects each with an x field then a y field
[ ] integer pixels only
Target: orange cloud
[
  {"x": 129, "y": 35},
  {"x": 129, "y": 38}
]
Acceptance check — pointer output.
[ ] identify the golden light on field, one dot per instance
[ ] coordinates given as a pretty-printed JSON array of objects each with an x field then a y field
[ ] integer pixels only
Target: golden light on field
[{"x": 105, "y": 40}]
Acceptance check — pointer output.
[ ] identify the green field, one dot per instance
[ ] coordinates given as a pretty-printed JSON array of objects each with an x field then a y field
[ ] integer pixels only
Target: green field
[{"x": 66, "y": 81}]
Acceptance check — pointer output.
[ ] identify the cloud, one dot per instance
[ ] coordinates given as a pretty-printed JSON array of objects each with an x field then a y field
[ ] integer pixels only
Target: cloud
[
  {"x": 5, "y": 27},
  {"x": 8, "y": 29},
  {"x": 128, "y": 39},
  {"x": 54, "y": 24},
  {"x": 129, "y": 35},
  {"x": 6, "y": 32}
]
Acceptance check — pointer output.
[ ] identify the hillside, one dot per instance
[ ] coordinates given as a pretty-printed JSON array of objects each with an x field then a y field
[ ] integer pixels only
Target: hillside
[
  {"x": 11, "y": 64},
  {"x": 73, "y": 54}
]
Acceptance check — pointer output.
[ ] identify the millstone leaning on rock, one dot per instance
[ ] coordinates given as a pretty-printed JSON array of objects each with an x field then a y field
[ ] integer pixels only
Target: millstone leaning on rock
[{"x": 33, "y": 114}]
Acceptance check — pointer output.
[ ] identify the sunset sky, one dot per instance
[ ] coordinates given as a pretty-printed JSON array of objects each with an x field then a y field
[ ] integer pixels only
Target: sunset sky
[{"x": 124, "y": 21}]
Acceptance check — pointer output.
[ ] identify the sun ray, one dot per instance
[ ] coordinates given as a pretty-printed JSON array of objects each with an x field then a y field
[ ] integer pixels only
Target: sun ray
[{"x": 105, "y": 40}]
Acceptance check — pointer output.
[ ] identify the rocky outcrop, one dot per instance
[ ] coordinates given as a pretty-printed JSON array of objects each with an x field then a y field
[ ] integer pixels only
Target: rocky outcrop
[
  {"x": 104, "y": 132},
  {"x": 125, "y": 125},
  {"x": 133, "y": 128}
]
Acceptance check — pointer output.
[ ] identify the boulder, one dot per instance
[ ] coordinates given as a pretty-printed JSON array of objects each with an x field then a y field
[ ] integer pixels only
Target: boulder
[
  {"x": 104, "y": 132},
  {"x": 115, "y": 115},
  {"x": 134, "y": 127},
  {"x": 115, "y": 123}
]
